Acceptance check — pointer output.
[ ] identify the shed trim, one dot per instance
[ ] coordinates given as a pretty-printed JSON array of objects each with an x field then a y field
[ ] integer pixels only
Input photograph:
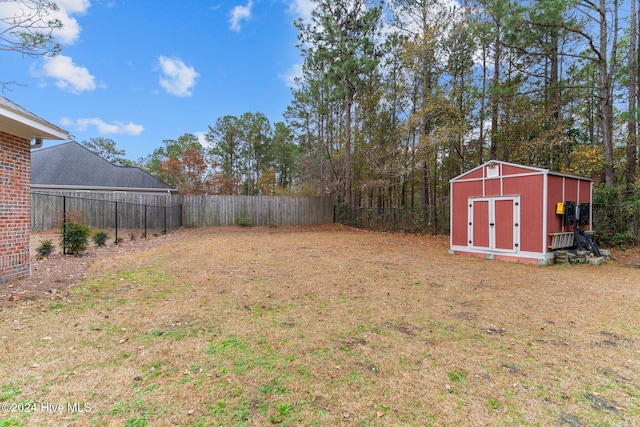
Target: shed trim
[
  {"x": 534, "y": 171},
  {"x": 540, "y": 257},
  {"x": 545, "y": 206},
  {"x": 485, "y": 178}
]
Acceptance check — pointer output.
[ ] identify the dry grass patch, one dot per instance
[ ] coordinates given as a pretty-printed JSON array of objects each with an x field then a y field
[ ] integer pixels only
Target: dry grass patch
[{"x": 326, "y": 326}]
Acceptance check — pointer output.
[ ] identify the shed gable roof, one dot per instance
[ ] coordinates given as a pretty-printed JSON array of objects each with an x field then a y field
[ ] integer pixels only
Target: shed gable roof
[
  {"x": 71, "y": 164},
  {"x": 510, "y": 169}
]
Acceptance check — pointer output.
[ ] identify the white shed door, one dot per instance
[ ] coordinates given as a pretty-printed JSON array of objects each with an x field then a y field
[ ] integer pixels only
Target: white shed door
[{"x": 494, "y": 223}]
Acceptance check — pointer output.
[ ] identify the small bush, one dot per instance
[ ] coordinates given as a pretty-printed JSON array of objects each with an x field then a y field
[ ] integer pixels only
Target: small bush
[
  {"x": 132, "y": 237},
  {"x": 100, "y": 238},
  {"x": 243, "y": 221},
  {"x": 616, "y": 215},
  {"x": 75, "y": 236},
  {"x": 119, "y": 240},
  {"x": 623, "y": 239},
  {"x": 46, "y": 248}
]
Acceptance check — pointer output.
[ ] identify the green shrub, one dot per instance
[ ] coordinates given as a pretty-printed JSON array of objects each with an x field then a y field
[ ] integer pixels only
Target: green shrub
[
  {"x": 623, "y": 239},
  {"x": 100, "y": 238},
  {"x": 616, "y": 215},
  {"x": 46, "y": 248},
  {"x": 75, "y": 236},
  {"x": 243, "y": 221},
  {"x": 347, "y": 215}
]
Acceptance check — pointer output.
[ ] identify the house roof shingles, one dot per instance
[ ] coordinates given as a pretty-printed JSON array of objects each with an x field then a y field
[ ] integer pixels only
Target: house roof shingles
[
  {"x": 72, "y": 165},
  {"x": 19, "y": 121}
]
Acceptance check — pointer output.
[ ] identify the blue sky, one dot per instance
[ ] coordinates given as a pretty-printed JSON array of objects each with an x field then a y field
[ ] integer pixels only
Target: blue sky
[{"x": 139, "y": 72}]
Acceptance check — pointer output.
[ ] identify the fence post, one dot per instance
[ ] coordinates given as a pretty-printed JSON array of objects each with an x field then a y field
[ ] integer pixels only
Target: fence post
[
  {"x": 116, "y": 222},
  {"x": 64, "y": 225},
  {"x": 145, "y": 220},
  {"x": 164, "y": 231}
]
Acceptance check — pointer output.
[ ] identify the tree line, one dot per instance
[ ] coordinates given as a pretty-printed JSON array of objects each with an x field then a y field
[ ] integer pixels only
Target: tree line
[
  {"x": 238, "y": 155},
  {"x": 397, "y": 98}
]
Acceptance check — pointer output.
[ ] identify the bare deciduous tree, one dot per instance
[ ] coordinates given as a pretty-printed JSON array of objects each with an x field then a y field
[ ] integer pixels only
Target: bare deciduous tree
[{"x": 27, "y": 27}]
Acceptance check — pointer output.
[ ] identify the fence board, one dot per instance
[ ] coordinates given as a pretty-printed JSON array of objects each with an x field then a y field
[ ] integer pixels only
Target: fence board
[
  {"x": 208, "y": 211},
  {"x": 99, "y": 210}
]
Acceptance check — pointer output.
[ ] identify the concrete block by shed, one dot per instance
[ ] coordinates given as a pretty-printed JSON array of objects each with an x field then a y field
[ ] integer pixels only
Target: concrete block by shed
[{"x": 597, "y": 260}]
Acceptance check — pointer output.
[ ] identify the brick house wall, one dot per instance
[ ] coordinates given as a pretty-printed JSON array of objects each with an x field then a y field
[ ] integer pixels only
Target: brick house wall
[{"x": 15, "y": 205}]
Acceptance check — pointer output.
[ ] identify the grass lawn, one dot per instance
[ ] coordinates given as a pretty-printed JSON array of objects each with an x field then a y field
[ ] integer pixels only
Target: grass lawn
[{"x": 324, "y": 326}]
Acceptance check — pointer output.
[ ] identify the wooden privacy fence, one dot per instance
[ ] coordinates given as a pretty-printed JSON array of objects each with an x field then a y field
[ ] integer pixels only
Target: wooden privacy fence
[
  {"x": 208, "y": 211},
  {"x": 140, "y": 211},
  {"x": 103, "y": 211}
]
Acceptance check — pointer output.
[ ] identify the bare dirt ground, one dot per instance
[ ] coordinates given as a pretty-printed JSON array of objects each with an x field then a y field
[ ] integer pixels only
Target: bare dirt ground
[
  {"x": 58, "y": 272},
  {"x": 320, "y": 326}
]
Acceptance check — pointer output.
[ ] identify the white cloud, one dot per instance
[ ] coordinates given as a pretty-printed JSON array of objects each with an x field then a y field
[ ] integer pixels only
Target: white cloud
[
  {"x": 68, "y": 75},
  {"x": 177, "y": 78},
  {"x": 290, "y": 77},
  {"x": 302, "y": 8},
  {"x": 202, "y": 139},
  {"x": 103, "y": 127},
  {"x": 28, "y": 13},
  {"x": 240, "y": 13},
  {"x": 70, "y": 31},
  {"x": 74, "y": 6}
]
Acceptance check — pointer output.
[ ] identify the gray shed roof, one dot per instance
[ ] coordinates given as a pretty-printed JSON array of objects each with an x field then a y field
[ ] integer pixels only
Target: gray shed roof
[{"x": 74, "y": 166}]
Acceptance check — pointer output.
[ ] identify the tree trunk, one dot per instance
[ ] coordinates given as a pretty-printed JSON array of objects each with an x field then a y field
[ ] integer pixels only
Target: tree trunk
[
  {"x": 483, "y": 100},
  {"x": 556, "y": 99},
  {"x": 606, "y": 95},
  {"x": 347, "y": 150},
  {"x": 632, "y": 124},
  {"x": 424, "y": 187},
  {"x": 493, "y": 150}
]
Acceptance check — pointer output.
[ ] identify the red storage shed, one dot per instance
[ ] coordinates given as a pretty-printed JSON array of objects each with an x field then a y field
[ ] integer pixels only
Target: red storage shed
[{"x": 506, "y": 211}]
